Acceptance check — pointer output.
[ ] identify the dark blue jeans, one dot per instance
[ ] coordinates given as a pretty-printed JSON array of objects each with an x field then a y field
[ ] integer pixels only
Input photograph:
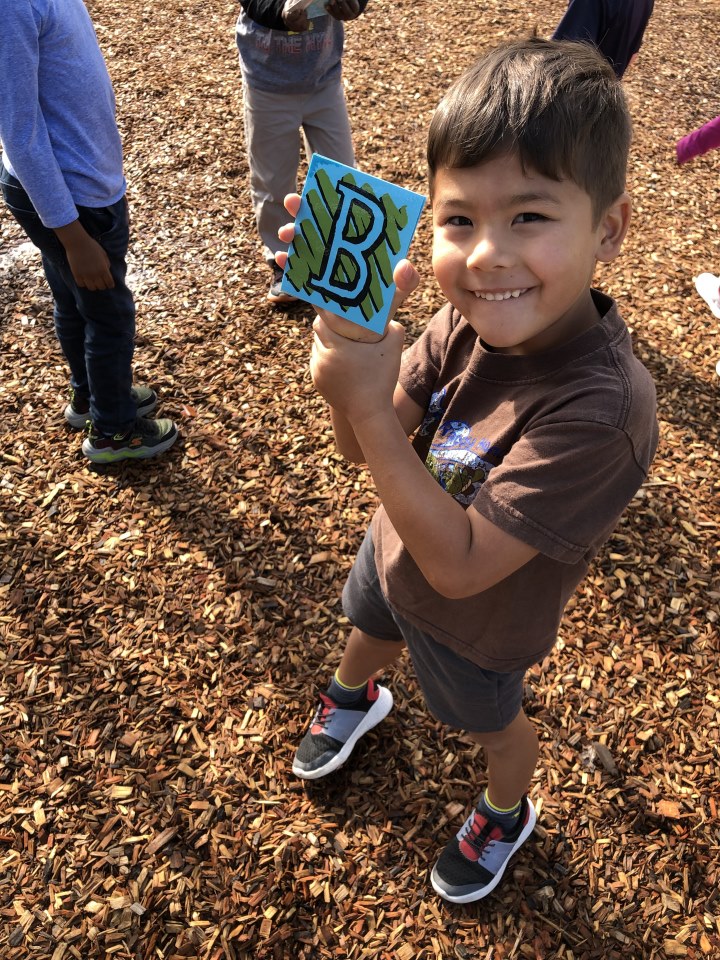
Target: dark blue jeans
[{"x": 96, "y": 328}]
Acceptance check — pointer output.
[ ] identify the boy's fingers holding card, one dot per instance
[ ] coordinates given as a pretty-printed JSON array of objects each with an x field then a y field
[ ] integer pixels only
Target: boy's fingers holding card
[
  {"x": 349, "y": 330},
  {"x": 319, "y": 328},
  {"x": 395, "y": 331},
  {"x": 331, "y": 331},
  {"x": 292, "y": 203},
  {"x": 286, "y": 232}
]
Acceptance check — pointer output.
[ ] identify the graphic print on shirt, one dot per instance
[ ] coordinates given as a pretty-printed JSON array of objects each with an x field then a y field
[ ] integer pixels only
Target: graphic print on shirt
[
  {"x": 276, "y": 43},
  {"x": 431, "y": 420},
  {"x": 456, "y": 458}
]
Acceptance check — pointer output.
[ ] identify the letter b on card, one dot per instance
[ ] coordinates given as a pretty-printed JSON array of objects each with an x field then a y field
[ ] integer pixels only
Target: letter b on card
[{"x": 350, "y": 232}]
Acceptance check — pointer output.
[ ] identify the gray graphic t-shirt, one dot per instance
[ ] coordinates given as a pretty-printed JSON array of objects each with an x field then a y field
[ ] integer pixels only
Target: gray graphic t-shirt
[{"x": 277, "y": 61}]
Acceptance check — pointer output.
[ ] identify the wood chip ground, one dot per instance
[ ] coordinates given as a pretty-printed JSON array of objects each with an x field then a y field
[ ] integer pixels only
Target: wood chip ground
[{"x": 163, "y": 626}]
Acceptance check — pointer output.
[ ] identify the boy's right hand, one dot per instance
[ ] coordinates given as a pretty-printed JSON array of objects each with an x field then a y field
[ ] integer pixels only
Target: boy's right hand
[
  {"x": 296, "y": 21},
  {"x": 405, "y": 276},
  {"x": 88, "y": 261}
]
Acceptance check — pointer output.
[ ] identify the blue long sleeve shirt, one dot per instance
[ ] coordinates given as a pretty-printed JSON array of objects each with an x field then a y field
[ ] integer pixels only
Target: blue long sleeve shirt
[{"x": 57, "y": 109}]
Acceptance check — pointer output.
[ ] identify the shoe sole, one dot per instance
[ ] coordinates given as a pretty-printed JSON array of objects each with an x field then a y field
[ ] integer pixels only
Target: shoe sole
[
  {"x": 78, "y": 421},
  {"x": 377, "y": 713},
  {"x": 116, "y": 456},
  {"x": 484, "y": 891}
]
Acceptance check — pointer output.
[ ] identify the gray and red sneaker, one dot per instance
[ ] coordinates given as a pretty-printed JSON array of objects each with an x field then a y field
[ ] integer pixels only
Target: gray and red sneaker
[
  {"x": 473, "y": 862},
  {"x": 336, "y": 728}
]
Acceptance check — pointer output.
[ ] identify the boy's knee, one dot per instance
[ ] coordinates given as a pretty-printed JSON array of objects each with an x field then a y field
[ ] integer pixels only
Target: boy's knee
[
  {"x": 495, "y": 740},
  {"x": 505, "y": 739},
  {"x": 380, "y": 641}
]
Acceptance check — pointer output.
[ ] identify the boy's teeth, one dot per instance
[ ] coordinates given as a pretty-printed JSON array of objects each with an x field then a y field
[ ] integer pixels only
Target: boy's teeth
[{"x": 498, "y": 296}]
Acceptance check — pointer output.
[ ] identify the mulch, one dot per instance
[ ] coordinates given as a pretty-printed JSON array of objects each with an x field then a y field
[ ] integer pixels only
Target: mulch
[{"x": 163, "y": 626}]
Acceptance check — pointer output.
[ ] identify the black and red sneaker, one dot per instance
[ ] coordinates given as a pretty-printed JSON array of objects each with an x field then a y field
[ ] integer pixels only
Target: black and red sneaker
[
  {"x": 473, "y": 862},
  {"x": 336, "y": 728}
]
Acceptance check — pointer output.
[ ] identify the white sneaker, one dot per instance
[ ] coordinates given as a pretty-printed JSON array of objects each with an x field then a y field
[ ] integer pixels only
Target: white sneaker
[{"x": 708, "y": 286}]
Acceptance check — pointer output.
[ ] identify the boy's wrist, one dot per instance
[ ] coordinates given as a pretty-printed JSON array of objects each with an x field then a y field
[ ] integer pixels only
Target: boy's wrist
[
  {"x": 72, "y": 235},
  {"x": 369, "y": 426}
]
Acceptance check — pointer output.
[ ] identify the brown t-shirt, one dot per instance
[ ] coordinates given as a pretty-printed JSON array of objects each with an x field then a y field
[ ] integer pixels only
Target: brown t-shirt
[{"x": 550, "y": 448}]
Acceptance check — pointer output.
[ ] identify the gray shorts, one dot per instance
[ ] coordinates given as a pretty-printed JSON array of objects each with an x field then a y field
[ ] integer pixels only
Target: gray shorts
[{"x": 457, "y": 691}]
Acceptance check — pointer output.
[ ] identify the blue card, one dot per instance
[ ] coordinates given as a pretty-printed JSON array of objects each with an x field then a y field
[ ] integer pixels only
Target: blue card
[
  {"x": 350, "y": 232},
  {"x": 316, "y": 9}
]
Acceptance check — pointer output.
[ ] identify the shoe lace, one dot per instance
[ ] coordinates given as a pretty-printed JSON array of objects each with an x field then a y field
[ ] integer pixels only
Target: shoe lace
[
  {"x": 324, "y": 712},
  {"x": 480, "y": 834}
]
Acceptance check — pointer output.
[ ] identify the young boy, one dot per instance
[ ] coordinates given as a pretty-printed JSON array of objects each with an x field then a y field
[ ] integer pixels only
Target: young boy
[
  {"x": 291, "y": 67},
  {"x": 615, "y": 27},
  {"x": 61, "y": 177},
  {"x": 533, "y": 427}
]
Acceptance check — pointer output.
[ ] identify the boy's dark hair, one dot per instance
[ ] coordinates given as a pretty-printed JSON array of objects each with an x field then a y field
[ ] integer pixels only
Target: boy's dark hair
[{"x": 557, "y": 104}]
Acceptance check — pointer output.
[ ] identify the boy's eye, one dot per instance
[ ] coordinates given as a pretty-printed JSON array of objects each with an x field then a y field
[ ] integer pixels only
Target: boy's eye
[
  {"x": 458, "y": 221},
  {"x": 529, "y": 218}
]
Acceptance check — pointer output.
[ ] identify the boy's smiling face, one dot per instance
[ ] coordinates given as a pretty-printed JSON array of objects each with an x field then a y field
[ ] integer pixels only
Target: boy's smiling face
[{"x": 515, "y": 252}]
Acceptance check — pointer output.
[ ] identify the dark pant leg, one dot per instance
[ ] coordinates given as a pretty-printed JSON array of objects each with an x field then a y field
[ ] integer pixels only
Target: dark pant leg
[
  {"x": 102, "y": 320},
  {"x": 69, "y": 327},
  {"x": 110, "y": 323},
  {"x": 65, "y": 308}
]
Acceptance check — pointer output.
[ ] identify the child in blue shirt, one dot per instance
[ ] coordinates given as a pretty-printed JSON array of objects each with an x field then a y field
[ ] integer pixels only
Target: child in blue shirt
[{"x": 62, "y": 179}]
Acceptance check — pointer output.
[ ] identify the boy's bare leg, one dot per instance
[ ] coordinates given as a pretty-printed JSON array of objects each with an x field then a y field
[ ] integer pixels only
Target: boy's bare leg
[
  {"x": 352, "y": 705},
  {"x": 511, "y": 760},
  {"x": 364, "y": 656},
  {"x": 473, "y": 862}
]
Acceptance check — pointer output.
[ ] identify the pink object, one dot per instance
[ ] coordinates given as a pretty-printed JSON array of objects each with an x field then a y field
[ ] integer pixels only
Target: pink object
[{"x": 699, "y": 141}]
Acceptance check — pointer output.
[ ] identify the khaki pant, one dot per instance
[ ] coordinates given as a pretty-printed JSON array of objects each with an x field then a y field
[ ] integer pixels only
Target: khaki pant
[{"x": 273, "y": 125}]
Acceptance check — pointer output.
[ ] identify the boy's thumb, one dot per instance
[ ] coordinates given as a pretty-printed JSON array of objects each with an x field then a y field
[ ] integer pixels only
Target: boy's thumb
[{"x": 406, "y": 279}]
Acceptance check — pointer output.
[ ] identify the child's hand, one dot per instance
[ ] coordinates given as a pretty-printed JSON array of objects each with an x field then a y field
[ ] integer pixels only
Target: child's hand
[
  {"x": 343, "y": 9},
  {"x": 88, "y": 261},
  {"x": 296, "y": 21},
  {"x": 405, "y": 276},
  {"x": 357, "y": 379}
]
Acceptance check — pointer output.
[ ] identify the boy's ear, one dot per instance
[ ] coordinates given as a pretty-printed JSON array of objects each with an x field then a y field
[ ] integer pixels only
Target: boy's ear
[{"x": 612, "y": 228}]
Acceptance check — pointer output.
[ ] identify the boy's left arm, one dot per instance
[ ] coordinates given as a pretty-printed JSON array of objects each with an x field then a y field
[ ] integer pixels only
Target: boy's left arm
[
  {"x": 459, "y": 552},
  {"x": 268, "y": 13}
]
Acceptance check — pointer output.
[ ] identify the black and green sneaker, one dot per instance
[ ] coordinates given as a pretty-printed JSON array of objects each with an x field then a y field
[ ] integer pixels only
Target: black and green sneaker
[
  {"x": 146, "y": 438},
  {"x": 77, "y": 412}
]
